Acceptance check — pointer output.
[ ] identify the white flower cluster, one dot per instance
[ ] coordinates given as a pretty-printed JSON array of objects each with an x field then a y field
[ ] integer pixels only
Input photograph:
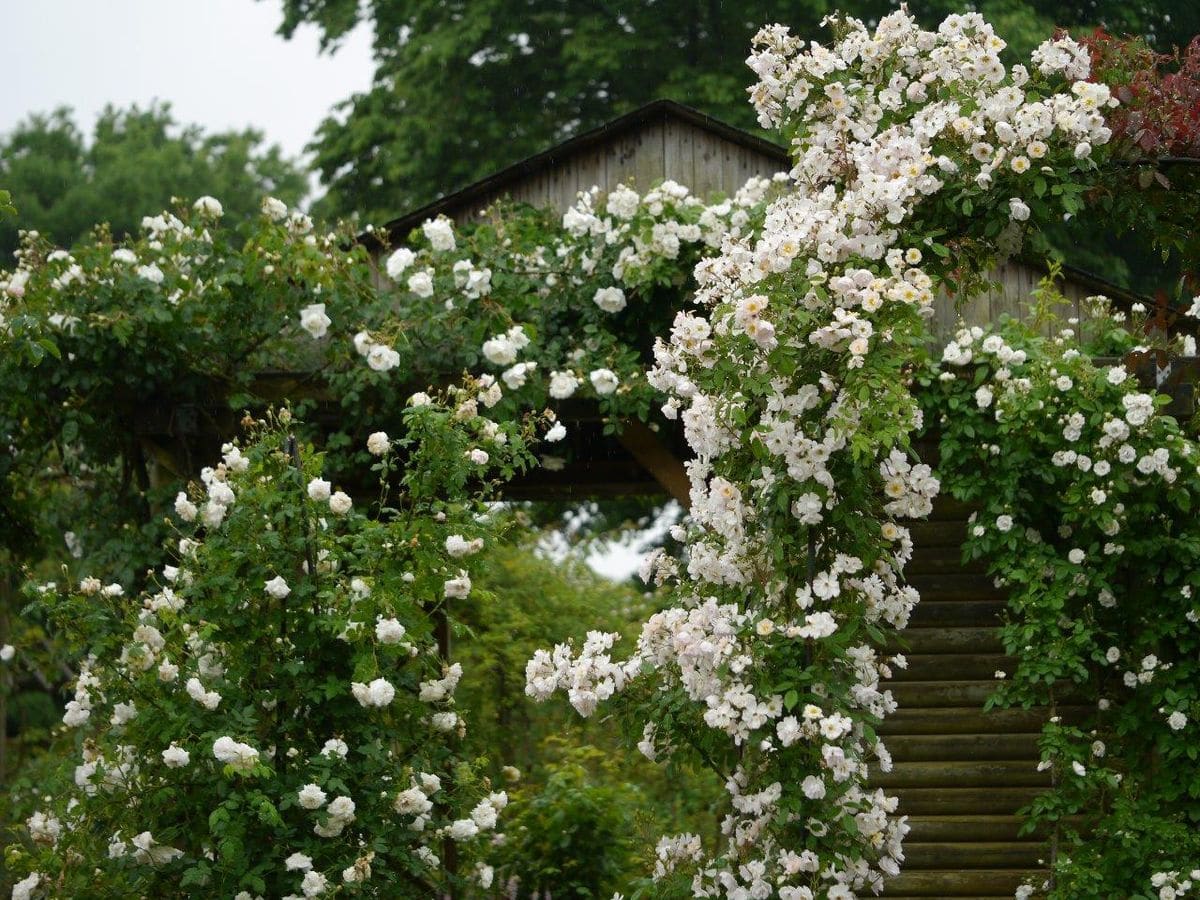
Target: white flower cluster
[{"x": 1174, "y": 885}]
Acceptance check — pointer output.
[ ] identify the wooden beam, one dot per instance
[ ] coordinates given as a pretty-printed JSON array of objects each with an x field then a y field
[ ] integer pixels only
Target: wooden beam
[{"x": 652, "y": 454}]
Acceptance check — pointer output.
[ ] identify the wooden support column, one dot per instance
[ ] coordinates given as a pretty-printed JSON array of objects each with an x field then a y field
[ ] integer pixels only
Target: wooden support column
[{"x": 655, "y": 457}]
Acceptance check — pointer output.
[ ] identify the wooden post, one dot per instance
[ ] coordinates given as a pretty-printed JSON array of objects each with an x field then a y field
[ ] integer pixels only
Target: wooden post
[{"x": 653, "y": 455}]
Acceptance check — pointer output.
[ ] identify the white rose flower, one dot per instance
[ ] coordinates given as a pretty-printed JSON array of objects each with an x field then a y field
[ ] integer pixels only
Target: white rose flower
[
  {"x": 557, "y": 433},
  {"x": 314, "y": 321},
  {"x": 319, "y": 489},
  {"x": 7, "y": 652},
  {"x": 149, "y": 852},
  {"x": 335, "y": 747},
  {"x": 340, "y": 503},
  {"x": 378, "y": 693},
  {"x": 273, "y": 209},
  {"x": 459, "y": 587},
  {"x": 389, "y": 631},
  {"x": 604, "y": 381},
  {"x": 458, "y": 546},
  {"x": 610, "y": 299},
  {"x": 382, "y": 358},
  {"x": 277, "y": 587},
  {"x": 440, "y": 234},
  {"x": 378, "y": 443},
  {"x": 209, "y": 207},
  {"x": 298, "y": 861},
  {"x": 314, "y": 884},
  {"x": 500, "y": 350},
  {"x": 562, "y": 385},
  {"x": 241, "y": 756},
  {"x": 311, "y": 797},
  {"x": 176, "y": 757},
  {"x": 399, "y": 262},
  {"x": 421, "y": 284},
  {"x": 1018, "y": 210},
  {"x": 151, "y": 273},
  {"x": 462, "y": 829}
]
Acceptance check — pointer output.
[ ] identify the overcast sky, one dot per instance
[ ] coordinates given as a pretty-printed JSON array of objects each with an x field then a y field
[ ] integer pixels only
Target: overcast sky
[{"x": 218, "y": 62}]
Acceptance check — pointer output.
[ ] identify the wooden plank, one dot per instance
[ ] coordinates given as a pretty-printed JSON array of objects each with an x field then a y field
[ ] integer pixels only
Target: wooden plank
[
  {"x": 648, "y": 449},
  {"x": 649, "y": 164},
  {"x": 974, "y": 883},
  {"x": 956, "y": 586},
  {"x": 973, "y": 720},
  {"x": 1005, "y": 773},
  {"x": 678, "y": 152},
  {"x": 947, "y": 640},
  {"x": 980, "y": 855},
  {"x": 706, "y": 161},
  {"x": 967, "y": 666},
  {"x": 731, "y": 170},
  {"x": 963, "y": 800},
  {"x": 956, "y": 613},
  {"x": 950, "y": 747}
]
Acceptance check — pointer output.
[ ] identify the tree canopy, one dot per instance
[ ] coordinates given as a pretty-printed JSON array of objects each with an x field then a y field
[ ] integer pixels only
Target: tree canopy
[
  {"x": 134, "y": 163},
  {"x": 456, "y": 96}
]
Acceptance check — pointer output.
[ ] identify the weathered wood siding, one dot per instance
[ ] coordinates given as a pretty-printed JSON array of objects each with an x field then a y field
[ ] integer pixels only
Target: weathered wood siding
[
  {"x": 1015, "y": 283},
  {"x": 665, "y": 148}
]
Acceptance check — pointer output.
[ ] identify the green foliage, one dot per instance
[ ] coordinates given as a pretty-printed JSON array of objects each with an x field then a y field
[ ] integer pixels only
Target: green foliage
[
  {"x": 134, "y": 163},
  {"x": 524, "y": 601},
  {"x": 1087, "y": 500},
  {"x": 574, "y": 834}
]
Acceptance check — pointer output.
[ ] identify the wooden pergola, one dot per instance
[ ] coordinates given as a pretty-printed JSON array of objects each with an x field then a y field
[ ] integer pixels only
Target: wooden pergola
[{"x": 960, "y": 774}]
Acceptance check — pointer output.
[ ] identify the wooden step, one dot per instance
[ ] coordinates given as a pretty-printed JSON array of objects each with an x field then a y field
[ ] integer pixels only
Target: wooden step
[
  {"x": 969, "y": 828},
  {"x": 957, "y": 613},
  {"x": 927, "y": 694},
  {"x": 966, "y": 828},
  {"x": 938, "y": 562},
  {"x": 949, "y": 747},
  {"x": 952, "y": 667},
  {"x": 948, "y": 509},
  {"x": 935, "y": 534},
  {"x": 959, "y": 883},
  {"x": 980, "y": 855},
  {"x": 961, "y": 586},
  {"x": 973, "y": 720},
  {"x": 973, "y": 801},
  {"x": 962, "y": 773},
  {"x": 946, "y": 640}
]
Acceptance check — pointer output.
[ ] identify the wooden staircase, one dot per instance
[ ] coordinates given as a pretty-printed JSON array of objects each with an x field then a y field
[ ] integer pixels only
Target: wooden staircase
[{"x": 960, "y": 774}]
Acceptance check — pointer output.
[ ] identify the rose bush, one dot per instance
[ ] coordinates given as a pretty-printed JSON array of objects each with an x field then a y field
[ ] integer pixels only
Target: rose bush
[{"x": 273, "y": 716}]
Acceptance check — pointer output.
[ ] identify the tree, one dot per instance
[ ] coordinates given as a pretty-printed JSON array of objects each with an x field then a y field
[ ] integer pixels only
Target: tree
[
  {"x": 462, "y": 89},
  {"x": 136, "y": 161}
]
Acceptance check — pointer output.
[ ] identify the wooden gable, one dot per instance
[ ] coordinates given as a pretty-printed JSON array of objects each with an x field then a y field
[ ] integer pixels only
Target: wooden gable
[{"x": 661, "y": 140}]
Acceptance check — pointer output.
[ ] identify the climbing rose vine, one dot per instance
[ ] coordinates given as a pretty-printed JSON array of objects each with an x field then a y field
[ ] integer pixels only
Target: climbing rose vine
[{"x": 918, "y": 154}]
